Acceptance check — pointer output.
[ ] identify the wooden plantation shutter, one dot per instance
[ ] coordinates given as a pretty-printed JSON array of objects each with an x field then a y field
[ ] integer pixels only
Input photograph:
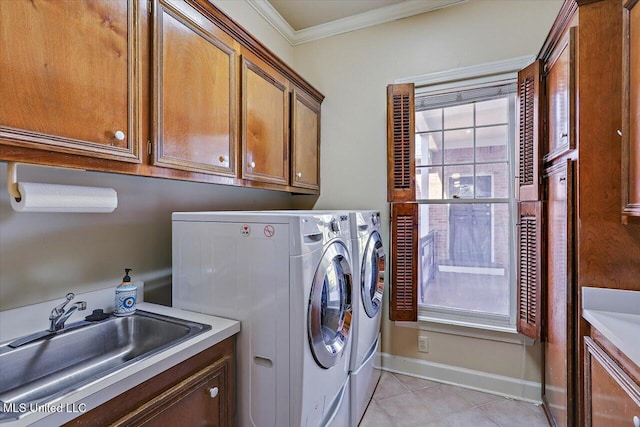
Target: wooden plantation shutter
[
  {"x": 401, "y": 192},
  {"x": 404, "y": 256},
  {"x": 401, "y": 161},
  {"x": 530, "y": 298},
  {"x": 529, "y": 124}
]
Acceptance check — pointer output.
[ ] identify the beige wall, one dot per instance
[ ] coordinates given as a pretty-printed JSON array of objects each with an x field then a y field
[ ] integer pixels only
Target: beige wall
[{"x": 353, "y": 70}]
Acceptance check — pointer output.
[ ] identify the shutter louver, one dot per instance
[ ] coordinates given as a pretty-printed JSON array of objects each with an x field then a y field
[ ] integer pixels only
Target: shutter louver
[
  {"x": 404, "y": 258},
  {"x": 529, "y": 116},
  {"x": 400, "y": 143},
  {"x": 529, "y": 315}
]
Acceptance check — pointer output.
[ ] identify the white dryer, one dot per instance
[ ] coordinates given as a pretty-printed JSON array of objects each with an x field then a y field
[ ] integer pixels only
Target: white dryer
[
  {"x": 287, "y": 279},
  {"x": 369, "y": 266}
]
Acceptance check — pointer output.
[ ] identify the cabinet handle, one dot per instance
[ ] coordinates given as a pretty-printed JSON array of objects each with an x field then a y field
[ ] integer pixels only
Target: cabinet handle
[
  {"x": 636, "y": 421},
  {"x": 564, "y": 135},
  {"x": 213, "y": 392},
  {"x": 299, "y": 174},
  {"x": 252, "y": 164},
  {"x": 619, "y": 132},
  {"x": 119, "y": 135},
  {"x": 222, "y": 159}
]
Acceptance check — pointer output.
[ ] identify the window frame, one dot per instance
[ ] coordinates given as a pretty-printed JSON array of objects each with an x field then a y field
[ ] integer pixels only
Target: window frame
[{"x": 483, "y": 75}]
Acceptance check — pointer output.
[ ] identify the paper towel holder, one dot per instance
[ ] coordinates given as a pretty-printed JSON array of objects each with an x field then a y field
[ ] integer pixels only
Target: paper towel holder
[{"x": 12, "y": 178}]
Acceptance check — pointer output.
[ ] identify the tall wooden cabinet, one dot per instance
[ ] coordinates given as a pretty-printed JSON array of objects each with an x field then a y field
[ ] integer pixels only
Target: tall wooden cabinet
[
  {"x": 586, "y": 243},
  {"x": 559, "y": 382},
  {"x": 70, "y": 82},
  {"x": 631, "y": 111}
]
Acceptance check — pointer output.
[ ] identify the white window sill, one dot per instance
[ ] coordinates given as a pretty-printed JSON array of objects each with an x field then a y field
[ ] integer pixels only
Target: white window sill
[{"x": 506, "y": 334}]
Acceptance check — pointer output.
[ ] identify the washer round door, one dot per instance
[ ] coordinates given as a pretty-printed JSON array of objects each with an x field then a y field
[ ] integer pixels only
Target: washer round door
[
  {"x": 329, "y": 314},
  {"x": 372, "y": 275}
]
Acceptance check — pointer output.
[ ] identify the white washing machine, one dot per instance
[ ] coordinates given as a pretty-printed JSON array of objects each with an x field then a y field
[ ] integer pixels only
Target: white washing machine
[
  {"x": 287, "y": 279},
  {"x": 368, "y": 286},
  {"x": 369, "y": 267}
]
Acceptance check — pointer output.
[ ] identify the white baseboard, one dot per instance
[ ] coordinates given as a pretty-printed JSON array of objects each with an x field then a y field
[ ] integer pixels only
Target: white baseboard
[{"x": 514, "y": 388}]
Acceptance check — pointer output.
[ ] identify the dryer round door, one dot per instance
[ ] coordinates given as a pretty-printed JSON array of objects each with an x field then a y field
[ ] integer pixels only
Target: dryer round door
[
  {"x": 372, "y": 275},
  {"x": 329, "y": 314}
]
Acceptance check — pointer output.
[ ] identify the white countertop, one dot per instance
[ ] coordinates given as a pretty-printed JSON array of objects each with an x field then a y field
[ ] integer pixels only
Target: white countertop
[
  {"x": 94, "y": 394},
  {"x": 616, "y": 314}
]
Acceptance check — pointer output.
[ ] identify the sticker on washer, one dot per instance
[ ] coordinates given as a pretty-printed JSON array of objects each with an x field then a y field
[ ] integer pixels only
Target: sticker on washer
[
  {"x": 245, "y": 230},
  {"x": 269, "y": 231}
]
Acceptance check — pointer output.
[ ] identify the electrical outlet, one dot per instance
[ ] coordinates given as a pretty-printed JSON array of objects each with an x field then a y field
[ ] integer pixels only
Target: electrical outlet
[{"x": 423, "y": 344}]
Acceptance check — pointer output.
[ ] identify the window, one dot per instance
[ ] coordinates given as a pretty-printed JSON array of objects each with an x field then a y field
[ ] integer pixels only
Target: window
[
  {"x": 452, "y": 154},
  {"x": 463, "y": 172}
]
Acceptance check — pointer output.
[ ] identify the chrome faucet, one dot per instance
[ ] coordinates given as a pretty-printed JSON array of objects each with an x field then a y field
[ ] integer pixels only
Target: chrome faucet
[
  {"x": 58, "y": 315},
  {"x": 57, "y": 318}
]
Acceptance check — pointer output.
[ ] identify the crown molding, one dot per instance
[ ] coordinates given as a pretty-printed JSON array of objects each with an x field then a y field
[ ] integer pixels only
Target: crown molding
[{"x": 345, "y": 25}]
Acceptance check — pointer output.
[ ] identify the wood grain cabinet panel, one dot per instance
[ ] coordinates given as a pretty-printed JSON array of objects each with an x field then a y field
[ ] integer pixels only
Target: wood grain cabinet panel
[
  {"x": 631, "y": 110},
  {"x": 612, "y": 397},
  {"x": 195, "y": 104},
  {"x": 199, "y": 391},
  {"x": 561, "y": 302},
  {"x": 265, "y": 122},
  {"x": 305, "y": 141},
  {"x": 197, "y": 400},
  {"x": 69, "y": 81},
  {"x": 560, "y": 84}
]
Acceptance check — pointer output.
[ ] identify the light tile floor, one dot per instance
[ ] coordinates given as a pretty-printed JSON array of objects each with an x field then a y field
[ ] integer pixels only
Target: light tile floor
[{"x": 401, "y": 400}]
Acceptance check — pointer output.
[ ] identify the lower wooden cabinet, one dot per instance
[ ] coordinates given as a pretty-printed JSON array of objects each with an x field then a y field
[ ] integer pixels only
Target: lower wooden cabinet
[
  {"x": 198, "y": 391},
  {"x": 612, "y": 395}
]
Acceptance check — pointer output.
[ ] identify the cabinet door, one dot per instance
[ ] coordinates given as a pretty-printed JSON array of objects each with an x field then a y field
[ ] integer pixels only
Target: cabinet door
[
  {"x": 560, "y": 87},
  {"x": 612, "y": 397},
  {"x": 265, "y": 123},
  {"x": 195, "y": 92},
  {"x": 559, "y": 366},
  {"x": 631, "y": 111},
  {"x": 305, "y": 141},
  {"x": 200, "y": 399},
  {"x": 69, "y": 78}
]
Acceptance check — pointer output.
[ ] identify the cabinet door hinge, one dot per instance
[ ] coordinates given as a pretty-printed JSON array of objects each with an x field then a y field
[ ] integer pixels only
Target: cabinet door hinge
[
  {"x": 149, "y": 147},
  {"x": 149, "y": 9}
]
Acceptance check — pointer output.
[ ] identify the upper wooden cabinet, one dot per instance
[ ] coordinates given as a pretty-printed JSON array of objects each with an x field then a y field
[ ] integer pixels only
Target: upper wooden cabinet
[
  {"x": 195, "y": 92},
  {"x": 265, "y": 122},
  {"x": 631, "y": 111},
  {"x": 69, "y": 79},
  {"x": 305, "y": 141},
  {"x": 560, "y": 84},
  {"x": 160, "y": 88}
]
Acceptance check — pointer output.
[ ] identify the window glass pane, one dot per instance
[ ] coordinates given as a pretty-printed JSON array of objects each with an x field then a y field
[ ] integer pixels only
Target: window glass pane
[
  {"x": 464, "y": 257},
  {"x": 460, "y": 116},
  {"x": 492, "y": 180},
  {"x": 458, "y": 146},
  {"x": 429, "y": 148},
  {"x": 459, "y": 182},
  {"x": 428, "y": 120},
  {"x": 491, "y": 144},
  {"x": 492, "y": 112},
  {"x": 429, "y": 183}
]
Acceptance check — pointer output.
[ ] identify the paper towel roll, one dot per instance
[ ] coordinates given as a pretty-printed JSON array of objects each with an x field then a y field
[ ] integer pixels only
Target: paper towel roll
[{"x": 64, "y": 198}]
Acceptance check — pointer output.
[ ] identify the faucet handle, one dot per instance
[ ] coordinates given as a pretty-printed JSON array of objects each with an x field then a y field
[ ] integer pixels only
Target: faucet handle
[{"x": 58, "y": 310}]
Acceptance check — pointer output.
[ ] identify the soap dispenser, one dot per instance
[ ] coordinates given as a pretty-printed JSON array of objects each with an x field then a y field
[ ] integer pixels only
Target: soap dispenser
[{"x": 126, "y": 295}]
